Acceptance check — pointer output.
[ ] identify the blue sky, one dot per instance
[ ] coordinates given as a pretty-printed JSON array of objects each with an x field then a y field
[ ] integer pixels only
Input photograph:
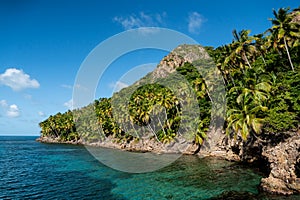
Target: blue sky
[{"x": 43, "y": 44}]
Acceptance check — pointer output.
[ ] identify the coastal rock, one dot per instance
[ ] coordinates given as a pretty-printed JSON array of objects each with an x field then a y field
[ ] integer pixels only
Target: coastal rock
[
  {"x": 177, "y": 58},
  {"x": 279, "y": 162},
  {"x": 218, "y": 144},
  {"x": 283, "y": 159},
  {"x": 44, "y": 139}
]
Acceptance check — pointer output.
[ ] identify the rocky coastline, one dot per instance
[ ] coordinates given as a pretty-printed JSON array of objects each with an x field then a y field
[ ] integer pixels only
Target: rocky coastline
[
  {"x": 279, "y": 162},
  {"x": 284, "y": 160}
]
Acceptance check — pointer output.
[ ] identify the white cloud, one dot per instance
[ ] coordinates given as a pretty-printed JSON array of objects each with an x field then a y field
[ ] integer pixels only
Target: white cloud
[
  {"x": 69, "y": 104},
  {"x": 140, "y": 20},
  {"x": 117, "y": 86},
  {"x": 13, "y": 111},
  {"x": 17, "y": 80},
  {"x": 3, "y": 103},
  {"x": 41, "y": 114},
  {"x": 195, "y": 22}
]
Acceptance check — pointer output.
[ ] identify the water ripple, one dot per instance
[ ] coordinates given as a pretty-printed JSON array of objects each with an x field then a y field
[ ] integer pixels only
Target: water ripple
[{"x": 31, "y": 170}]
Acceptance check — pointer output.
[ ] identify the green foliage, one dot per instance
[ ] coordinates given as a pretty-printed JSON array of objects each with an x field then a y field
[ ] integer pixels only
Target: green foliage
[
  {"x": 142, "y": 106},
  {"x": 262, "y": 79},
  {"x": 284, "y": 113},
  {"x": 60, "y": 126}
]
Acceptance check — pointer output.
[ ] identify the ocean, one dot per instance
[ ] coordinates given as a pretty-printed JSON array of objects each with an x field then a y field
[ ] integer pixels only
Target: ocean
[{"x": 32, "y": 170}]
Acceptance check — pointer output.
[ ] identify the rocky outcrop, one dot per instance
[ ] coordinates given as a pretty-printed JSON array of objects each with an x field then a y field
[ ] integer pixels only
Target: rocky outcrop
[
  {"x": 168, "y": 65},
  {"x": 177, "y": 58},
  {"x": 283, "y": 159},
  {"x": 219, "y": 145},
  {"x": 44, "y": 139},
  {"x": 280, "y": 163},
  {"x": 141, "y": 145}
]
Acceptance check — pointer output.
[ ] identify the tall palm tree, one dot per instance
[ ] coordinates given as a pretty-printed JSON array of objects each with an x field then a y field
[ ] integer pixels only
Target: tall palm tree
[
  {"x": 243, "y": 45},
  {"x": 283, "y": 30},
  {"x": 226, "y": 62},
  {"x": 260, "y": 45}
]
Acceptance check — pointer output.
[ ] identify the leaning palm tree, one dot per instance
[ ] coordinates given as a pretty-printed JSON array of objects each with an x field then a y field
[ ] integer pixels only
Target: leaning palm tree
[{"x": 284, "y": 30}]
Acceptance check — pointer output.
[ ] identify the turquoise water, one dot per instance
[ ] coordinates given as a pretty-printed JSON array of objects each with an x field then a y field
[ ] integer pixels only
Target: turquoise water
[{"x": 55, "y": 171}]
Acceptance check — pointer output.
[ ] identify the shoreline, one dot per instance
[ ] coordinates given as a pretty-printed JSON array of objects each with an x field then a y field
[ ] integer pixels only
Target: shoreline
[
  {"x": 281, "y": 177},
  {"x": 149, "y": 147}
]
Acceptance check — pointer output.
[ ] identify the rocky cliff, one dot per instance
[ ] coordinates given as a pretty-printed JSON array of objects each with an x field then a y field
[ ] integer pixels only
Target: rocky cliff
[{"x": 284, "y": 161}]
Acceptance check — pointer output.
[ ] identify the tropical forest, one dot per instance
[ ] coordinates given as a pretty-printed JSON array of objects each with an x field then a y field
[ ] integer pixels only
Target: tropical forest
[{"x": 261, "y": 78}]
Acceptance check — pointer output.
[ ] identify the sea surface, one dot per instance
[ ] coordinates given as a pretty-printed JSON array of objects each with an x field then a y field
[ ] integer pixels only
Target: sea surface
[{"x": 32, "y": 170}]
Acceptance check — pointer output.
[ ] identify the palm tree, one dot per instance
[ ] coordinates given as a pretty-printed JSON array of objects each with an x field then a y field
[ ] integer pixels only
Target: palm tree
[
  {"x": 243, "y": 120},
  {"x": 254, "y": 87},
  {"x": 200, "y": 87},
  {"x": 242, "y": 45},
  {"x": 200, "y": 136},
  {"x": 260, "y": 45},
  {"x": 246, "y": 115},
  {"x": 226, "y": 63},
  {"x": 283, "y": 30}
]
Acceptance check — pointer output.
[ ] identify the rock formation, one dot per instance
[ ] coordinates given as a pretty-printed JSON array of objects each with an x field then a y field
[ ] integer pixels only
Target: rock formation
[{"x": 283, "y": 159}]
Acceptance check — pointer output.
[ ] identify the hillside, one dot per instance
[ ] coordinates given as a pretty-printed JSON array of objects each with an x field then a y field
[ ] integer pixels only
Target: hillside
[
  {"x": 179, "y": 106},
  {"x": 121, "y": 126}
]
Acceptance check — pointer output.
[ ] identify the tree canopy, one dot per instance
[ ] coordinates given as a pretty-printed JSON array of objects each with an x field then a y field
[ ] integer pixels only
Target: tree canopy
[{"x": 262, "y": 78}]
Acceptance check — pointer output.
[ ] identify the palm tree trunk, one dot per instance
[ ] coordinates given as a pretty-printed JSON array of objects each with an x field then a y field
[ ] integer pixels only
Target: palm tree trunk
[
  {"x": 153, "y": 132},
  {"x": 160, "y": 123},
  {"x": 55, "y": 131},
  {"x": 246, "y": 58},
  {"x": 132, "y": 125},
  {"x": 288, "y": 53},
  {"x": 223, "y": 78},
  {"x": 262, "y": 56},
  {"x": 209, "y": 95},
  {"x": 232, "y": 80},
  {"x": 264, "y": 60}
]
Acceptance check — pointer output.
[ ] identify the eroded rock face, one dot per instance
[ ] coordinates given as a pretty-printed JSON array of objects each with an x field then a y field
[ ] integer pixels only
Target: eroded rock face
[
  {"x": 168, "y": 65},
  {"x": 280, "y": 162},
  {"x": 283, "y": 159},
  {"x": 177, "y": 58}
]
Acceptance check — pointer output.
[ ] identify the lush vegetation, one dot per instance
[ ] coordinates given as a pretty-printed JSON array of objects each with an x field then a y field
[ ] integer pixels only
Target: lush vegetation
[{"x": 262, "y": 79}]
